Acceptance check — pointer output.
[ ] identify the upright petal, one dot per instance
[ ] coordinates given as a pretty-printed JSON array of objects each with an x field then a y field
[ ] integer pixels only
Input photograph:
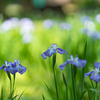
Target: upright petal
[
  {"x": 87, "y": 74},
  {"x": 97, "y": 65},
  {"x": 63, "y": 65},
  {"x": 14, "y": 64},
  {"x": 79, "y": 63},
  {"x": 61, "y": 51}
]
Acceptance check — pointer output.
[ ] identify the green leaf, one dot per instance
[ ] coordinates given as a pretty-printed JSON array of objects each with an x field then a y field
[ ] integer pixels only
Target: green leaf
[
  {"x": 15, "y": 96},
  {"x": 89, "y": 90},
  {"x": 83, "y": 69},
  {"x": 9, "y": 76},
  {"x": 95, "y": 90},
  {"x": 11, "y": 95},
  {"x": 49, "y": 90},
  {"x": 65, "y": 82},
  {"x": 64, "y": 79},
  {"x": 2, "y": 96},
  {"x": 43, "y": 97},
  {"x": 82, "y": 95},
  {"x": 24, "y": 90},
  {"x": 88, "y": 93}
]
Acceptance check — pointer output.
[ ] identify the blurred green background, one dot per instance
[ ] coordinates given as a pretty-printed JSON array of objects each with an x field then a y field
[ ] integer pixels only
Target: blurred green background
[{"x": 28, "y": 27}]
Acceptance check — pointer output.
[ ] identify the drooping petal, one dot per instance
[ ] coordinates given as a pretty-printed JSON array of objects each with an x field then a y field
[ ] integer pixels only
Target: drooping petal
[
  {"x": 14, "y": 64},
  {"x": 48, "y": 53},
  {"x": 79, "y": 63},
  {"x": 63, "y": 65},
  {"x": 21, "y": 69},
  {"x": 2, "y": 67},
  {"x": 87, "y": 74},
  {"x": 97, "y": 65},
  {"x": 5, "y": 69},
  {"x": 11, "y": 69},
  {"x": 61, "y": 51},
  {"x": 95, "y": 77},
  {"x": 43, "y": 55}
]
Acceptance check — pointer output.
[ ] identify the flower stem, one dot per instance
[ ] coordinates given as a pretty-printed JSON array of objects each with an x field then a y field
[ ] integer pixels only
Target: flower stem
[
  {"x": 66, "y": 93},
  {"x": 14, "y": 80},
  {"x": 9, "y": 76},
  {"x": 55, "y": 84},
  {"x": 10, "y": 88},
  {"x": 73, "y": 83},
  {"x": 96, "y": 93},
  {"x": 53, "y": 63},
  {"x": 65, "y": 82},
  {"x": 82, "y": 88}
]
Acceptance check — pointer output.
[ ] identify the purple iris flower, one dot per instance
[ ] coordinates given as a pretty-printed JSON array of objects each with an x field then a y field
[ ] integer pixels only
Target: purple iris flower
[
  {"x": 98, "y": 18},
  {"x": 54, "y": 49},
  {"x": 95, "y": 35},
  {"x": 13, "y": 67},
  {"x": 95, "y": 73},
  {"x": 65, "y": 26},
  {"x": 85, "y": 18},
  {"x": 9, "y": 67},
  {"x": 21, "y": 69},
  {"x": 75, "y": 61},
  {"x": 48, "y": 23}
]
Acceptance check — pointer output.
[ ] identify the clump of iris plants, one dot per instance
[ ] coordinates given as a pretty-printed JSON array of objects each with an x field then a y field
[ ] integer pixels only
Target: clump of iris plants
[
  {"x": 13, "y": 68},
  {"x": 79, "y": 63},
  {"x": 65, "y": 26}
]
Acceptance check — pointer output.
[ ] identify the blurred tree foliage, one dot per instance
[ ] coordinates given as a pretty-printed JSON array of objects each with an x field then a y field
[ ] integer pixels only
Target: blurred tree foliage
[{"x": 30, "y": 5}]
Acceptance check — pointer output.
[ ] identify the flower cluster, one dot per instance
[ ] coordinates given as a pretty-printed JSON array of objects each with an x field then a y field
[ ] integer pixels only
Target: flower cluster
[
  {"x": 13, "y": 67},
  {"x": 75, "y": 61},
  {"x": 95, "y": 73},
  {"x": 54, "y": 49}
]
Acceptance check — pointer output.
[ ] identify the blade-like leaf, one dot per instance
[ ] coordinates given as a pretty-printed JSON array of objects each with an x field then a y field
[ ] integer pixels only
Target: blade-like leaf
[
  {"x": 95, "y": 90},
  {"x": 64, "y": 79},
  {"x": 49, "y": 90},
  {"x": 89, "y": 90},
  {"x": 2, "y": 96},
  {"x": 82, "y": 94},
  {"x": 43, "y": 97},
  {"x": 25, "y": 89},
  {"x": 9, "y": 76}
]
